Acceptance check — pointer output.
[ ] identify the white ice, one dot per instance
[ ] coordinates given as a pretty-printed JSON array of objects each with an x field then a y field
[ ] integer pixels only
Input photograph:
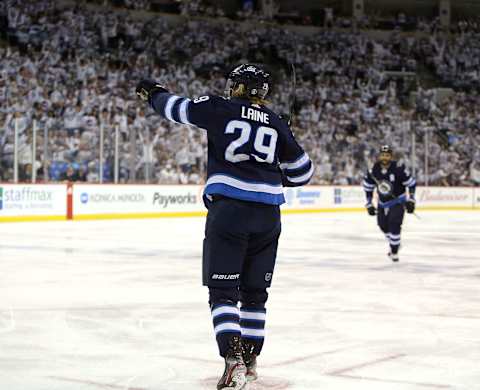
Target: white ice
[{"x": 119, "y": 305}]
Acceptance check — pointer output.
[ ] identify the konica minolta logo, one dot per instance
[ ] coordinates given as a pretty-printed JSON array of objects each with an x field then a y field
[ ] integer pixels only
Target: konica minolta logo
[
  {"x": 226, "y": 276},
  {"x": 84, "y": 198}
]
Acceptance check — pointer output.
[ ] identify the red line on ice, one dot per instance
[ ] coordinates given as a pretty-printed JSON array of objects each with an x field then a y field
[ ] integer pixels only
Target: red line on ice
[{"x": 366, "y": 364}]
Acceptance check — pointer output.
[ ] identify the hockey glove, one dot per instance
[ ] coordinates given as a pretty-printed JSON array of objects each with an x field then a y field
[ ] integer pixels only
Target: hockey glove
[
  {"x": 371, "y": 209},
  {"x": 146, "y": 88},
  {"x": 410, "y": 206}
]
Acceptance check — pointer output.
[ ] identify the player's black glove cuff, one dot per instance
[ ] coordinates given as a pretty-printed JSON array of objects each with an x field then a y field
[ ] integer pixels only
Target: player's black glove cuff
[
  {"x": 410, "y": 206},
  {"x": 371, "y": 209},
  {"x": 146, "y": 88},
  {"x": 287, "y": 118}
]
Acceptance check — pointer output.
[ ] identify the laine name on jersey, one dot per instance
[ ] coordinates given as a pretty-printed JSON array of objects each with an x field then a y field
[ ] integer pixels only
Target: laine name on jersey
[{"x": 255, "y": 115}]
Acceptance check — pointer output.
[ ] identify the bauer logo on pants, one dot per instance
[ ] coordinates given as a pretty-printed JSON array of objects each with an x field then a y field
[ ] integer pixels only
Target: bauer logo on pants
[
  {"x": 268, "y": 276},
  {"x": 226, "y": 276}
]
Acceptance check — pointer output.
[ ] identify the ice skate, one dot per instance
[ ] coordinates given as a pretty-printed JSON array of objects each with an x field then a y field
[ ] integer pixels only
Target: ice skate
[
  {"x": 234, "y": 376},
  {"x": 393, "y": 256},
  {"x": 250, "y": 360}
]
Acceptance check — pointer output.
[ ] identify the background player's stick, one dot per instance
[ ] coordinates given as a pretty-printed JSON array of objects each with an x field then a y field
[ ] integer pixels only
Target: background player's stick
[{"x": 293, "y": 93}]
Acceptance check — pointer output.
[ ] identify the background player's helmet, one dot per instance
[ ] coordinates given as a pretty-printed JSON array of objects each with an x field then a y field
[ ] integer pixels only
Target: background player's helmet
[
  {"x": 255, "y": 79},
  {"x": 386, "y": 149}
]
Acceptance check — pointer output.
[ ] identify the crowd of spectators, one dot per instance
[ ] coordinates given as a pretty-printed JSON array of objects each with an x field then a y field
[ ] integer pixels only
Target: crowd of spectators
[{"x": 73, "y": 71}]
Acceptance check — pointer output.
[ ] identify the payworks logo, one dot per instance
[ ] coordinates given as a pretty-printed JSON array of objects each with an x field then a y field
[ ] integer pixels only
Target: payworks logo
[{"x": 1, "y": 198}]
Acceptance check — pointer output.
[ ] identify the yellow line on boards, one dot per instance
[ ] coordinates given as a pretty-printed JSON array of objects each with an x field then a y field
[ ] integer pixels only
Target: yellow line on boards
[
  {"x": 326, "y": 210},
  {"x": 140, "y": 215},
  {"x": 33, "y": 218},
  {"x": 184, "y": 214}
]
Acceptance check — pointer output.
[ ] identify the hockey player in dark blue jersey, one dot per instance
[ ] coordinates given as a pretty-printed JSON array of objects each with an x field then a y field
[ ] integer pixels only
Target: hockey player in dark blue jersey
[
  {"x": 391, "y": 181},
  {"x": 252, "y": 155}
]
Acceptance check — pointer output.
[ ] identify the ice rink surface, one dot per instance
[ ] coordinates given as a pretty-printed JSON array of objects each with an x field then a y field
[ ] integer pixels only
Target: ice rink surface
[{"x": 119, "y": 305}]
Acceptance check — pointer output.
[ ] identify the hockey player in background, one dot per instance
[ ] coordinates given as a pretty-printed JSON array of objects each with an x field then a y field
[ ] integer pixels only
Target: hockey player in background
[
  {"x": 391, "y": 181},
  {"x": 252, "y": 154}
]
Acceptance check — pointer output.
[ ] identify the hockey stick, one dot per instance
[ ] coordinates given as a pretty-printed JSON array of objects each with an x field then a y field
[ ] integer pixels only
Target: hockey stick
[{"x": 293, "y": 93}]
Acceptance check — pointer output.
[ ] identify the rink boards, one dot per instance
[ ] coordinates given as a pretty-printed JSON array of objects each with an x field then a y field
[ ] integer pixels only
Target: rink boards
[{"x": 22, "y": 202}]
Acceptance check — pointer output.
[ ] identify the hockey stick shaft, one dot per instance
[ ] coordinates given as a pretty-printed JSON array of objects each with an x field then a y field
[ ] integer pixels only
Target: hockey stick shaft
[{"x": 293, "y": 95}]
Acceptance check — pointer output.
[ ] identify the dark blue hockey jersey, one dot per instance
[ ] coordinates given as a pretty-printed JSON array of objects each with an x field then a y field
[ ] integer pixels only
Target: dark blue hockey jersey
[
  {"x": 391, "y": 184},
  {"x": 252, "y": 152}
]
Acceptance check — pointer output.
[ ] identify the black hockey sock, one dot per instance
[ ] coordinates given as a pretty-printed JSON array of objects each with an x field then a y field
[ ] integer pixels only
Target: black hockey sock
[
  {"x": 394, "y": 240},
  {"x": 394, "y": 249}
]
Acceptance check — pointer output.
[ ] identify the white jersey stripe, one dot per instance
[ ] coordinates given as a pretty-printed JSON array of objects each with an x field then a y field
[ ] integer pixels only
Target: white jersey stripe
[
  {"x": 301, "y": 161},
  {"x": 183, "y": 111},
  {"x": 242, "y": 185},
  {"x": 305, "y": 177},
  {"x": 168, "y": 107}
]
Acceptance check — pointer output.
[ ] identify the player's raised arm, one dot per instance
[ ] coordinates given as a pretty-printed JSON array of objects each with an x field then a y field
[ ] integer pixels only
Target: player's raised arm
[
  {"x": 295, "y": 165},
  {"x": 175, "y": 108}
]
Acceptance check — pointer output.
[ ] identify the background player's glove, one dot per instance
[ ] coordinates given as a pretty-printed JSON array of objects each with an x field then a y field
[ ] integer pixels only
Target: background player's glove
[
  {"x": 146, "y": 88},
  {"x": 287, "y": 118},
  {"x": 371, "y": 209},
  {"x": 410, "y": 206}
]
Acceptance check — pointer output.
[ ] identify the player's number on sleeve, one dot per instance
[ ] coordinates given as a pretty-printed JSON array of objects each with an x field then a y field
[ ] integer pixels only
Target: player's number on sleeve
[
  {"x": 201, "y": 99},
  {"x": 265, "y": 142}
]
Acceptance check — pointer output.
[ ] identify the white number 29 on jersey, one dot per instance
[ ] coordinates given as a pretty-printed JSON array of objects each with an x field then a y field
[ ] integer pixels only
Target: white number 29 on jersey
[{"x": 265, "y": 142}]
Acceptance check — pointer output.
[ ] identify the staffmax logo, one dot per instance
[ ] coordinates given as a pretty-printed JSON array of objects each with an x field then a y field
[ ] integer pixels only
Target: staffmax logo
[
  {"x": 170, "y": 200},
  {"x": 26, "y": 194}
]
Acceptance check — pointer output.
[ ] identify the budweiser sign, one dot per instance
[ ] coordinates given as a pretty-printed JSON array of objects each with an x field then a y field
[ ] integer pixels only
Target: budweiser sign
[{"x": 455, "y": 195}]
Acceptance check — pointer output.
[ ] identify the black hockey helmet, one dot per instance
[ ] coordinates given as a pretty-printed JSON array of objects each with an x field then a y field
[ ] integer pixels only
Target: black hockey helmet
[
  {"x": 386, "y": 149},
  {"x": 254, "y": 77}
]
